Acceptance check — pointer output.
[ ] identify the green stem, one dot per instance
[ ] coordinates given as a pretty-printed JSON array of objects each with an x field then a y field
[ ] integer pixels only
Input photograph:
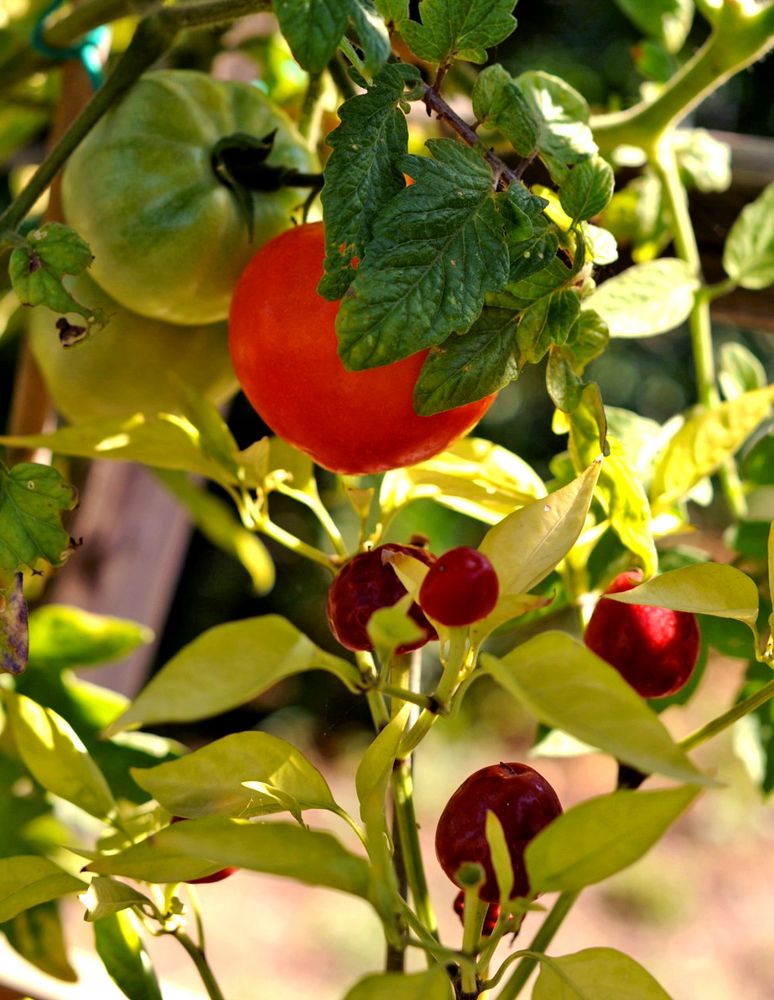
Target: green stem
[
  {"x": 320, "y": 511},
  {"x": 453, "y": 669},
  {"x": 308, "y": 119},
  {"x": 199, "y": 960},
  {"x": 665, "y": 165},
  {"x": 473, "y": 916},
  {"x": 292, "y": 542},
  {"x": 153, "y": 36},
  {"x": 403, "y": 800},
  {"x": 739, "y": 39},
  {"x": 405, "y": 694},
  {"x": 738, "y": 711},
  {"x": 540, "y": 942}
]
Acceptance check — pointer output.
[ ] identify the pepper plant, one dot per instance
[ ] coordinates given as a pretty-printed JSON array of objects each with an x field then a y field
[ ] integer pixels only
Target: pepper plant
[{"x": 443, "y": 273}]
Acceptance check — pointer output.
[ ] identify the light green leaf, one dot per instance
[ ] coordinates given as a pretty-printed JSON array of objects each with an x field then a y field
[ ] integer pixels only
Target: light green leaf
[
  {"x": 601, "y": 836},
  {"x": 596, "y": 974},
  {"x": 646, "y": 299},
  {"x": 459, "y": 29},
  {"x": 28, "y": 880},
  {"x": 227, "y": 666},
  {"x": 391, "y": 627},
  {"x": 739, "y": 370},
  {"x": 375, "y": 768},
  {"x": 37, "y": 935},
  {"x": 284, "y": 849},
  {"x": 500, "y": 856},
  {"x": 393, "y": 11},
  {"x": 211, "y": 779},
  {"x": 56, "y": 757},
  {"x": 438, "y": 248},
  {"x": 431, "y": 985},
  {"x": 63, "y": 636},
  {"x": 166, "y": 441},
  {"x": 703, "y": 159},
  {"x": 474, "y": 476},
  {"x": 704, "y": 589},
  {"x": 704, "y": 442},
  {"x": 525, "y": 546},
  {"x": 106, "y": 896},
  {"x": 313, "y": 29},
  {"x": 564, "y": 137},
  {"x": 770, "y": 647},
  {"x": 748, "y": 257},
  {"x": 32, "y": 498},
  {"x": 667, "y": 21},
  {"x": 588, "y": 188},
  {"x": 566, "y": 686},
  {"x": 120, "y": 946}
]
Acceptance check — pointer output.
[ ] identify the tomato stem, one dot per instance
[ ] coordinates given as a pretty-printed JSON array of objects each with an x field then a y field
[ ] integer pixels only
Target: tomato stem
[
  {"x": 202, "y": 966},
  {"x": 540, "y": 942}
]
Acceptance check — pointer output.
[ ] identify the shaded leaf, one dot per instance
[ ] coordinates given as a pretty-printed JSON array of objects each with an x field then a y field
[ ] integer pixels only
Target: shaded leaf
[
  {"x": 120, "y": 946},
  {"x": 459, "y": 29},
  {"x": 587, "y": 189},
  {"x": 431, "y": 985},
  {"x": 38, "y": 936},
  {"x": 667, "y": 21},
  {"x": 313, "y": 29},
  {"x": 564, "y": 137},
  {"x": 106, "y": 896},
  {"x": 498, "y": 103}
]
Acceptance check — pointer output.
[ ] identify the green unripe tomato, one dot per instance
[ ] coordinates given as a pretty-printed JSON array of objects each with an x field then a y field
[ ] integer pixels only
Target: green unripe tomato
[
  {"x": 127, "y": 367},
  {"x": 168, "y": 238}
]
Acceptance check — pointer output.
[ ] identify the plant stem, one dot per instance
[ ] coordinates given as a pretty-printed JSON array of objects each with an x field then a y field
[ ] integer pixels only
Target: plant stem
[
  {"x": 405, "y": 694},
  {"x": 738, "y": 711},
  {"x": 665, "y": 165},
  {"x": 199, "y": 960},
  {"x": 318, "y": 508},
  {"x": 153, "y": 36},
  {"x": 308, "y": 120},
  {"x": 453, "y": 670},
  {"x": 540, "y": 942},
  {"x": 292, "y": 542},
  {"x": 403, "y": 800},
  {"x": 739, "y": 39}
]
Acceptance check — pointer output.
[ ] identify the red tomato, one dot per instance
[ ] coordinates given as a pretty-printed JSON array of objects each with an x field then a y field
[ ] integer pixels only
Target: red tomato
[{"x": 283, "y": 344}]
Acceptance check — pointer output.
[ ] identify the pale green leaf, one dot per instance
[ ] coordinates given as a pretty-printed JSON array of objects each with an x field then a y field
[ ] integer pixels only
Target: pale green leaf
[
  {"x": 525, "y": 546},
  {"x": 739, "y": 370},
  {"x": 227, "y": 666},
  {"x": 645, "y": 299},
  {"x": 601, "y": 836},
  {"x": 56, "y": 756},
  {"x": 106, "y": 896},
  {"x": 564, "y": 137},
  {"x": 566, "y": 686},
  {"x": 704, "y": 588},
  {"x": 285, "y": 849},
  {"x": 666, "y": 21},
  {"x": 748, "y": 257},
  {"x": 704, "y": 442},
  {"x": 62, "y": 636},
  {"x": 474, "y": 477},
  {"x": 211, "y": 779},
  {"x": 596, "y": 974},
  {"x": 27, "y": 880},
  {"x": 431, "y": 985},
  {"x": 500, "y": 855}
]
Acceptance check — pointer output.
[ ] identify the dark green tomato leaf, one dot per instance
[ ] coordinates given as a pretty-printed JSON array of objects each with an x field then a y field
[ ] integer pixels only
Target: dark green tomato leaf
[
  {"x": 32, "y": 498},
  {"x": 394, "y": 12},
  {"x": 547, "y": 324},
  {"x": 534, "y": 253},
  {"x": 469, "y": 367},
  {"x": 372, "y": 33},
  {"x": 521, "y": 294},
  {"x": 14, "y": 633},
  {"x": 37, "y": 935},
  {"x": 119, "y": 945},
  {"x": 459, "y": 29},
  {"x": 565, "y": 137},
  {"x": 758, "y": 464},
  {"x": 361, "y": 176},
  {"x": 519, "y": 224},
  {"x": 313, "y": 29},
  {"x": 564, "y": 386},
  {"x": 588, "y": 338},
  {"x": 522, "y": 197},
  {"x": 38, "y": 267},
  {"x": 439, "y": 246},
  {"x": 588, "y": 189},
  {"x": 498, "y": 103}
]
